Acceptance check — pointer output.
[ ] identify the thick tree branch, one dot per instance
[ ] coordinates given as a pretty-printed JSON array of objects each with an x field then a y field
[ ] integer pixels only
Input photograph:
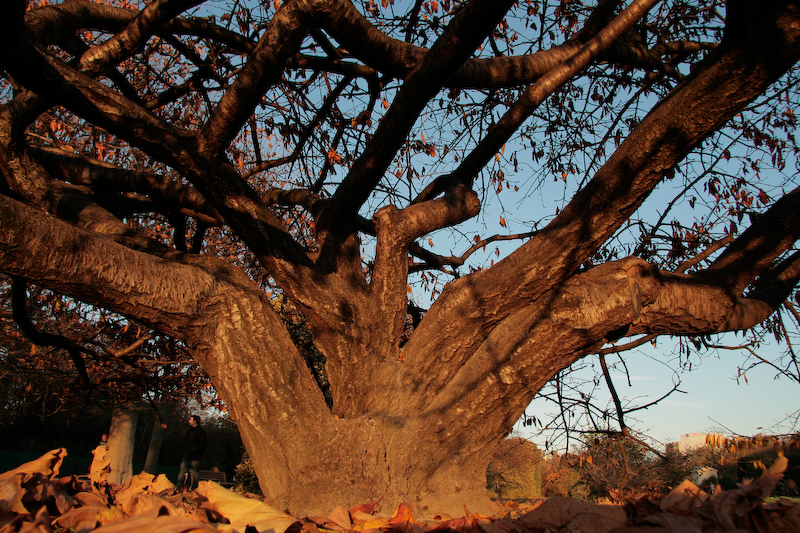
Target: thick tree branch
[
  {"x": 94, "y": 101},
  {"x": 19, "y": 302},
  {"x": 231, "y": 196},
  {"x": 451, "y": 50},
  {"x": 755, "y": 249},
  {"x": 280, "y": 41},
  {"x": 768, "y": 293},
  {"x": 54, "y": 254},
  {"x": 734, "y": 75},
  {"x": 125, "y": 42},
  {"x": 558, "y": 75},
  {"x": 102, "y": 176},
  {"x": 395, "y": 230}
]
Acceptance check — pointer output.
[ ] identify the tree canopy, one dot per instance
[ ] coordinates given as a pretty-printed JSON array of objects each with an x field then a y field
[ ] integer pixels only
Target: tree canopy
[{"x": 185, "y": 164}]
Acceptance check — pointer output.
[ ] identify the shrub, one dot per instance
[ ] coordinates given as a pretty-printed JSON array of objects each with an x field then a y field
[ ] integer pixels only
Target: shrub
[
  {"x": 246, "y": 480},
  {"x": 516, "y": 470}
]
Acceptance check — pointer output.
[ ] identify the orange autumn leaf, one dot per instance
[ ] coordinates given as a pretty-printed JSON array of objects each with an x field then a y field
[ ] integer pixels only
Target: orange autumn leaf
[{"x": 402, "y": 514}]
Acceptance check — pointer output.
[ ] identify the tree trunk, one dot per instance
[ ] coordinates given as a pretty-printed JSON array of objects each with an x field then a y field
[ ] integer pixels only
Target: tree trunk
[
  {"x": 120, "y": 444},
  {"x": 156, "y": 439}
]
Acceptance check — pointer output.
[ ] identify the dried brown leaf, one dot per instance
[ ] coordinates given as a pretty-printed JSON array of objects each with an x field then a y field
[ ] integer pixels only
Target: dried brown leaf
[
  {"x": 402, "y": 514},
  {"x": 574, "y": 515},
  {"x": 729, "y": 508},
  {"x": 40, "y": 523},
  {"x": 47, "y": 465},
  {"x": 136, "y": 495},
  {"x": 685, "y": 497},
  {"x": 101, "y": 466},
  {"x": 243, "y": 512},
  {"x": 367, "y": 508},
  {"x": 156, "y": 521},
  {"x": 341, "y": 517},
  {"x": 80, "y": 519},
  {"x": 50, "y": 492},
  {"x": 404, "y": 526},
  {"x": 11, "y": 493},
  {"x": 665, "y": 523},
  {"x": 87, "y": 499},
  {"x": 785, "y": 514}
]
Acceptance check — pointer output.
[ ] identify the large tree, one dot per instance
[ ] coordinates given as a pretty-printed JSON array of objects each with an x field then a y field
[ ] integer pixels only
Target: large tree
[{"x": 183, "y": 168}]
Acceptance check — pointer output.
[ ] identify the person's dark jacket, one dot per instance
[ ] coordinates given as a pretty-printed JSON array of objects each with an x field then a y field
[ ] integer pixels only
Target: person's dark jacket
[{"x": 194, "y": 443}]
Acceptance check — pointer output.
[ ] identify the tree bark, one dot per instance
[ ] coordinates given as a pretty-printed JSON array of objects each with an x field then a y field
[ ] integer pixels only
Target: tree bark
[
  {"x": 154, "y": 448},
  {"x": 121, "y": 437}
]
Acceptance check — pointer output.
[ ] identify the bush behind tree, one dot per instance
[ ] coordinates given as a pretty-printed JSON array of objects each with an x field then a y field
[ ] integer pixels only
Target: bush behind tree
[{"x": 516, "y": 470}]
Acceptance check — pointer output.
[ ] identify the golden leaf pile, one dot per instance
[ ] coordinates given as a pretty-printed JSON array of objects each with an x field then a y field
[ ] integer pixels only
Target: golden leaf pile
[{"x": 33, "y": 499}]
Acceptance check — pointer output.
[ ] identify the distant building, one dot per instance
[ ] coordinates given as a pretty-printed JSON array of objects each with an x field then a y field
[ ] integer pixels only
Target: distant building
[{"x": 692, "y": 441}]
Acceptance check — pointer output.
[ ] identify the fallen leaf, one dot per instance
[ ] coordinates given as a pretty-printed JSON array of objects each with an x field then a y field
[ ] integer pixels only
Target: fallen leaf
[
  {"x": 685, "y": 497},
  {"x": 156, "y": 521},
  {"x": 730, "y": 507},
  {"x": 138, "y": 493},
  {"x": 341, "y": 517},
  {"x": 243, "y": 512},
  {"x": 665, "y": 523},
  {"x": 80, "y": 518},
  {"x": 402, "y": 514},
  {"x": 101, "y": 465},
  {"x": 574, "y": 515},
  {"x": 40, "y": 524},
  {"x": 11, "y": 493},
  {"x": 87, "y": 499},
  {"x": 47, "y": 465},
  {"x": 367, "y": 508}
]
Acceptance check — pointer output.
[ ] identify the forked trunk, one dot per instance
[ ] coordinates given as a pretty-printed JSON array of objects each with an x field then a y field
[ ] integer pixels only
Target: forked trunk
[{"x": 309, "y": 460}]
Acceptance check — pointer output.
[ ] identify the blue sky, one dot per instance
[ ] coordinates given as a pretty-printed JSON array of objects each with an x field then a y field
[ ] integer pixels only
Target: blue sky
[{"x": 714, "y": 399}]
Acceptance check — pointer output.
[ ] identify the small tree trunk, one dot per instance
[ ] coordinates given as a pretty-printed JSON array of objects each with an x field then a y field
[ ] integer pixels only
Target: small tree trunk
[
  {"x": 156, "y": 439},
  {"x": 120, "y": 444}
]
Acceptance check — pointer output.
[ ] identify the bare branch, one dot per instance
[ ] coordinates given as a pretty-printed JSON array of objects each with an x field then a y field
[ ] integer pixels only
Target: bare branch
[
  {"x": 125, "y": 42},
  {"x": 19, "y": 302},
  {"x": 106, "y": 177},
  {"x": 533, "y": 97}
]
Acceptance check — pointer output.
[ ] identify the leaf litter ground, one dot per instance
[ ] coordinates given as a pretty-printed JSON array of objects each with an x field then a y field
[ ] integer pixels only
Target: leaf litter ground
[{"x": 34, "y": 499}]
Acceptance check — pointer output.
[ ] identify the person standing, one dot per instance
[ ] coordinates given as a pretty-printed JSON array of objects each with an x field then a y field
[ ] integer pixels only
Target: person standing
[{"x": 194, "y": 444}]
